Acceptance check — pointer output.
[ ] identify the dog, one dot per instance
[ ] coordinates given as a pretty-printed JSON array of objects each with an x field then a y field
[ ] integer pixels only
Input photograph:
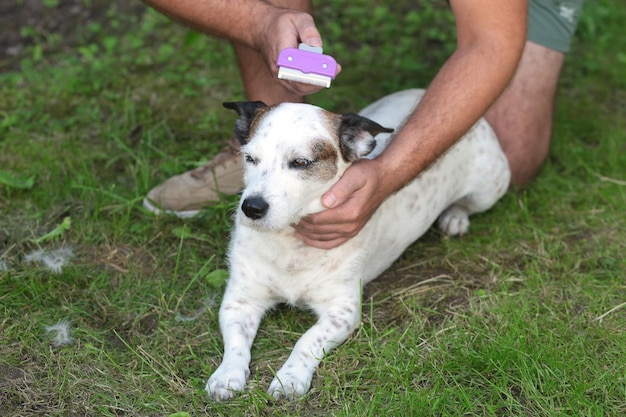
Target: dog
[{"x": 293, "y": 153}]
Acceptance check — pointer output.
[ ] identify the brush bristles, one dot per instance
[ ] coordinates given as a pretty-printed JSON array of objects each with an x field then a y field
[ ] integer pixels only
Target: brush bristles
[{"x": 299, "y": 76}]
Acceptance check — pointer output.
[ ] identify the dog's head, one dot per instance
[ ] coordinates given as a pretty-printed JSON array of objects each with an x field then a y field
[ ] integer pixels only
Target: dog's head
[{"x": 293, "y": 153}]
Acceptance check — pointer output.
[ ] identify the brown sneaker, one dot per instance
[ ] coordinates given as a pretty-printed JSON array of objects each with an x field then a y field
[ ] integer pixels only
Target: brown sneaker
[{"x": 186, "y": 194}]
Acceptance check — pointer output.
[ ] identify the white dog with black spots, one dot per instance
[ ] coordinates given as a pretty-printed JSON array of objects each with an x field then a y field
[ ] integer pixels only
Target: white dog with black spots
[{"x": 293, "y": 153}]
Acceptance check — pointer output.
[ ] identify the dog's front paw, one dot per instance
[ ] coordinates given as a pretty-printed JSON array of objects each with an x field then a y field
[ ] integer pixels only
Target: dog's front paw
[
  {"x": 288, "y": 385},
  {"x": 454, "y": 221},
  {"x": 226, "y": 382}
]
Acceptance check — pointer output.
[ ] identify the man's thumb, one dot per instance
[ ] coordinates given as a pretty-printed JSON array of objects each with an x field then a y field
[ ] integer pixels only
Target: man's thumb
[
  {"x": 329, "y": 200},
  {"x": 339, "y": 193},
  {"x": 307, "y": 31}
]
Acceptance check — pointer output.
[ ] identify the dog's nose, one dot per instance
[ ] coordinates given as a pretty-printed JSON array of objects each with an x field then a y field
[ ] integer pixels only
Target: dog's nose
[{"x": 254, "y": 207}]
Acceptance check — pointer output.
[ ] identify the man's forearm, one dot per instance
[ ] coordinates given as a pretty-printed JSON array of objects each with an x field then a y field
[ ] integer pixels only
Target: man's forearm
[
  {"x": 465, "y": 87},
  {"x": 235, "y": 20}
]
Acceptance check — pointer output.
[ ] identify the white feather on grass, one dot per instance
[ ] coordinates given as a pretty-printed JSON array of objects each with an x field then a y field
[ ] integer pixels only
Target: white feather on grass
[
  {"x": 209, "y": 302},
  {"x": 53, "y": 260},
  {"x": 62, "y": 333}
]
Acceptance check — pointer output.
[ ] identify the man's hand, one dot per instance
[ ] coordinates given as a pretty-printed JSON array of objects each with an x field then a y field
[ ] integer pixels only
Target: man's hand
[
  {"x": 286, "y": 28},
  {"x": 351, "y": 202}
]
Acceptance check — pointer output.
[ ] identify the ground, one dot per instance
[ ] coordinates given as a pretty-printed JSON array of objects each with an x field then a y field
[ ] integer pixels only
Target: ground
[
  {"x": 24, "y": 23},
  {"x": 100, "y": 101}
]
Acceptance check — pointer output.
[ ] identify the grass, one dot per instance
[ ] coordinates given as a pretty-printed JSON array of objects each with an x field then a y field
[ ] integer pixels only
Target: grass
[{"x": 524, "y": 316}]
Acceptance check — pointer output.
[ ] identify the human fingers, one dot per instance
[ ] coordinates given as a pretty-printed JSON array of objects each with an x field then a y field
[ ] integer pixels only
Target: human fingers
[
  {"x": 341, "y": 222},
  {"x": 330, "y": 228},
  {"x": 323, "y": 244}
]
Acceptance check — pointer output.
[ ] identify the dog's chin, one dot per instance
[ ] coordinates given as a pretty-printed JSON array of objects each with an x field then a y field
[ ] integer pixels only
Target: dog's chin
[{"x": 267, "y": 225}]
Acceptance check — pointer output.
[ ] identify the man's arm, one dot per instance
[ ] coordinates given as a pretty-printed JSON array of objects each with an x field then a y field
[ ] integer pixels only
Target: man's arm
[
  {"x": 490, "y": 39},
  {"x": 248, "y": 22},
  {"x": 265, "y": 26}
]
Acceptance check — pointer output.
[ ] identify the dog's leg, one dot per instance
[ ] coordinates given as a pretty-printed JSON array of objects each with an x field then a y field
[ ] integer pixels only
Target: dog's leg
[
  {"x": 239, "y": 322},
  {"x": 486, "y": 177},
  {"x": 333, "y": 327},
  {"x": 454, "y": 221}
]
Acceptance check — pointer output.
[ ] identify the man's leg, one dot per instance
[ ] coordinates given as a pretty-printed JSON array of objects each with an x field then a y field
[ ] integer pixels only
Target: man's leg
[
  {"x": 185, "y": 194},
  {"x": 522, "y": 115}
]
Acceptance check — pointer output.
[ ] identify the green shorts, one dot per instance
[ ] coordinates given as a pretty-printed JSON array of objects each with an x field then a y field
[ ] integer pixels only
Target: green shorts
[{"x": 552, "y": 23}]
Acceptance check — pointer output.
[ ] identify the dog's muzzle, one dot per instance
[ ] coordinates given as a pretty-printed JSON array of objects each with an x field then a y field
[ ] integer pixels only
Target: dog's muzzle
[{"x": 255, "y": 207}]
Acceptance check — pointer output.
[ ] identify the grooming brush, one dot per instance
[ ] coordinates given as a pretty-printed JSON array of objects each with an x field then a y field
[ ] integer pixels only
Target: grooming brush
[{"x": 306, "y": 65}]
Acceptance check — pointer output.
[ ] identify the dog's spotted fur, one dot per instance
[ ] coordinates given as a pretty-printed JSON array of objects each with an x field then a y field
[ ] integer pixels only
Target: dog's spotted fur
[{"x": 293, "y": 153}]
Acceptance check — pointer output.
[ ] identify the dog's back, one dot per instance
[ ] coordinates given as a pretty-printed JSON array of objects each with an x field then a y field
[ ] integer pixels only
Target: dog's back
[
  {"x": 473, "y": 174},
  {"x": 391, "y": 111}
]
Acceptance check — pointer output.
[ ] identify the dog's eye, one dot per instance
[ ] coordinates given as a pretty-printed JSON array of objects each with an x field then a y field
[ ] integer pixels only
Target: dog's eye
[
  {"x": 250, "y": 160},
  {"x": 300, "y": 163}
]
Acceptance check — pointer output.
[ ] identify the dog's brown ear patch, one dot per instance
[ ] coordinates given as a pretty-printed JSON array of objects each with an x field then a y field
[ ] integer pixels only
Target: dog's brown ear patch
[
  {"x": 356, "y": 136},
  {"x": 248, "y": 111}
]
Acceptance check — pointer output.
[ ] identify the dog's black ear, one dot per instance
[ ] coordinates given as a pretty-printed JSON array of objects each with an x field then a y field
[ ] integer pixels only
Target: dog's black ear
[
  {"x": 356, "y": 136},
  {"x": 246, "y": 110}
]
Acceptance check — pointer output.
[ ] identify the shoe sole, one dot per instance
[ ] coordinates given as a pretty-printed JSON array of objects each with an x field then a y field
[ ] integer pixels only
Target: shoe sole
[{"x": 186, "y": 214}]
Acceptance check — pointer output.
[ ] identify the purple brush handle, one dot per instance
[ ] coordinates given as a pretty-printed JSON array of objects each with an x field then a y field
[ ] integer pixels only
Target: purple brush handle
[{"x": 307, "y": 62}]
